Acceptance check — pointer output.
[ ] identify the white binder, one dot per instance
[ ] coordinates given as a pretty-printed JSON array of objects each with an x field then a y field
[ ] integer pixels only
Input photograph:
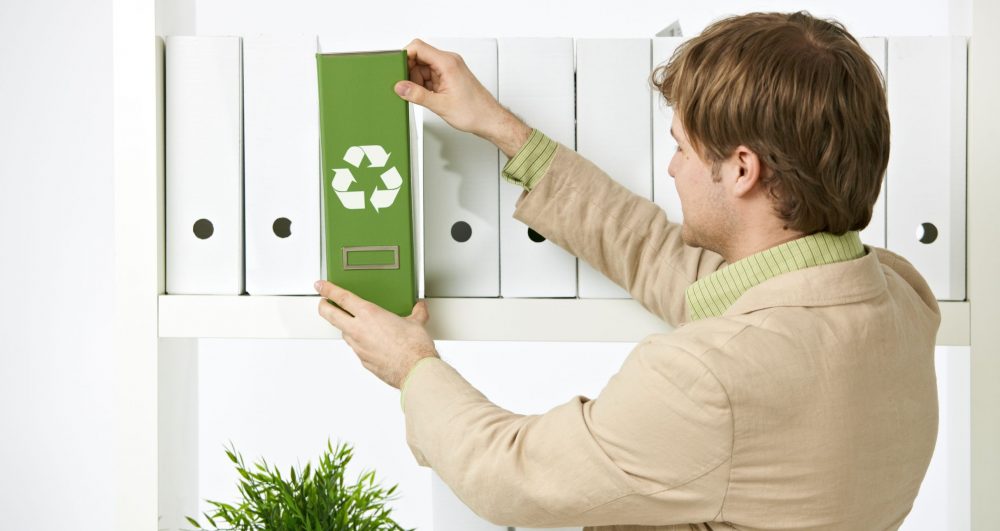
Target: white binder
[
  {"x": 535, "y": 83},
  {"x": 874, "y": 233},
  {"x": 664, "y": 145},
  {"x": 461, "y": 193},
  {"x": 926, "y": 187},
  {"x": 613, "y": 126},
  {"x": 281, "y": 137},
  {"x": 204, "y": 166}
]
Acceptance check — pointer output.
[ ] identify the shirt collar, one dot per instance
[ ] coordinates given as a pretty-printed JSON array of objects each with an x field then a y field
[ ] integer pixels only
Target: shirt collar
[{"x": 712, "y": 295}]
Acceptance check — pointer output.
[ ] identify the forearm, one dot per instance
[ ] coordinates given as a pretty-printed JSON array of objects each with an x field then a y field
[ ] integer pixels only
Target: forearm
[
  {"x": 525, "y": 471},
  {"x": 508, "y": 132},
  {"x": 585, "y": 462},
  {"x": 624, "y": 236}
]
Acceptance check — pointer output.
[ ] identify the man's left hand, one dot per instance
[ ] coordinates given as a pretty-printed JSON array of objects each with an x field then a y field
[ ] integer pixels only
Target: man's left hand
[{"x": 387, "y": 345}]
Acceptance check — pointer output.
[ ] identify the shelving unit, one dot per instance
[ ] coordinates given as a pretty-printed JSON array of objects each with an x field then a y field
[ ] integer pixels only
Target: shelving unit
[
  {"x": 194, "y": 316},
  {"x": 155, "y": 334}
]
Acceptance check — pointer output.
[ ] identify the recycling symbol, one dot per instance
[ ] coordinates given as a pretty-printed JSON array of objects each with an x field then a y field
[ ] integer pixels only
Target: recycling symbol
[{"x": 355, "y": 199}]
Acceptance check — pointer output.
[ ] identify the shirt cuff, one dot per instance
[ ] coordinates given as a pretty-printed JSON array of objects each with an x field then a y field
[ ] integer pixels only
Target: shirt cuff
[
  {"x": 402, "y": 388},
  {"x": 530, "y": 163}
]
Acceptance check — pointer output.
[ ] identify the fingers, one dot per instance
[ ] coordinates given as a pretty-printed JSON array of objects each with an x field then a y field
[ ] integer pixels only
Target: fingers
[
  {"x": 427, "y": 65},
  {"x": 419, "y": 51},
  {"x": 442, "y": 82},
  {"x": 417, "y": 76},
  {"x": 421, "y": 75},
  {"x": 414, "y": 93},
  {"x": 419, "y": 313},
  {"x": 343, "y": 298},
  {"x": 334, "y": 315}
]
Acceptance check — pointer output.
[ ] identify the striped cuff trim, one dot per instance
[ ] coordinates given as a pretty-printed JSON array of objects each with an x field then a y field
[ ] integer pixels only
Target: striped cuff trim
[{"x": 530, "y": 163}]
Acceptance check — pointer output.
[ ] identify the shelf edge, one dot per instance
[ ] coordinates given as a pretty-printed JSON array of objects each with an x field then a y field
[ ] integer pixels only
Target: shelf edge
[{"x": 568, "y": 320}]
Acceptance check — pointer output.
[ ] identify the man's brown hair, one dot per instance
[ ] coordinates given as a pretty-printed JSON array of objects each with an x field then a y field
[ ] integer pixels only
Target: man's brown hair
[{"x": 801, "y": 94}]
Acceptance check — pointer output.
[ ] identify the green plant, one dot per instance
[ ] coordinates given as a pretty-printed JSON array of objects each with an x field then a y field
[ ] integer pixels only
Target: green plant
[{"x": 310, "y": 500}]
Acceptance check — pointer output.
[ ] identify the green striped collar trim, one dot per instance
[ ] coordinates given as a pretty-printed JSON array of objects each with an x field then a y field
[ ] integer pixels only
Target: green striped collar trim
[{"x": 711, "y": 296}]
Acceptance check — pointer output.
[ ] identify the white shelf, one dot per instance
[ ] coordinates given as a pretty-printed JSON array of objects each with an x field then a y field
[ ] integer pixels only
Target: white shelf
[{"x": 288, "y": 317}]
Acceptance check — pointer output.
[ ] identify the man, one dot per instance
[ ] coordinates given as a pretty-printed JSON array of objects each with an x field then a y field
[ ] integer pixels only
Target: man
[{"x": 798, "y": 391}]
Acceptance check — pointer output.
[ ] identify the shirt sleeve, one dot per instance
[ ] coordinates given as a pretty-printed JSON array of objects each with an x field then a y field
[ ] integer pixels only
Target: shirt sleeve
[
  {"x": 652, "y": 449},
  {"x": 531, "y": 162},
  {"x": 625, "y": 236},
  {"x": 402, "y": 388}
]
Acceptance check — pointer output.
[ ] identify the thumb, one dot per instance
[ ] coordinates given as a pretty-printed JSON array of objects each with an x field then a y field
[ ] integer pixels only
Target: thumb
[
  {"x": 414, "y": 93},
  {"x": 419, "y": 313}
]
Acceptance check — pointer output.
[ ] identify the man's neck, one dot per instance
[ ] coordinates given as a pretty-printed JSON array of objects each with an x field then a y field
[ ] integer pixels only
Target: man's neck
[{"x": 749, "y": 243}]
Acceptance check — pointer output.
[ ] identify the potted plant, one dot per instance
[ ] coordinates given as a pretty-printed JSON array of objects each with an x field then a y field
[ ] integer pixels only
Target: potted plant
[{"x": 307, "y": 500}]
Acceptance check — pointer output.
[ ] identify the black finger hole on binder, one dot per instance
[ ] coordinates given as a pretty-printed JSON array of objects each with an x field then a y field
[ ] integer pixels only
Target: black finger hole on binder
[
  {"x": 461, "y": 231},
  {"x": 282, "y": 227},
  {"x": 203, "y": 229},
  {"x": 927, "y": 233},
  {"x": 535, "y": 237}
]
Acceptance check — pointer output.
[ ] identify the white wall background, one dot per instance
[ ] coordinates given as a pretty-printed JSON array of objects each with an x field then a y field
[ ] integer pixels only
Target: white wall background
[
  {"x": 280, "y": 399},
  {"x": 545, "y": 18},
  {"x": 56, "y": 250}
]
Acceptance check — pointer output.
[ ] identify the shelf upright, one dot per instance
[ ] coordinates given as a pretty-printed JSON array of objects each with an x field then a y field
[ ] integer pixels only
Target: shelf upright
[
  {"x": 137, "y": 263},
  {"x": 155, "y": 378},
  {"x": 984, "y": 260}
]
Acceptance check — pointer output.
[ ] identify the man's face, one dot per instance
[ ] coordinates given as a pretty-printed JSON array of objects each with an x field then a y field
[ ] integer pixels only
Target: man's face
[{"x": 707, "y": 213}]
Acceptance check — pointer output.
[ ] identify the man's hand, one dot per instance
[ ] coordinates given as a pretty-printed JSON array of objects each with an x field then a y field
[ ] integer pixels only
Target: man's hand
[
  {"x": 387, "y": 345},
  {"x": 441, "y": 82}
]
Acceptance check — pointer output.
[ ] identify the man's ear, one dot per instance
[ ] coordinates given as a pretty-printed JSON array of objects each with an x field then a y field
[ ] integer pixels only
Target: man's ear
[{"x": 747, "y": 171}]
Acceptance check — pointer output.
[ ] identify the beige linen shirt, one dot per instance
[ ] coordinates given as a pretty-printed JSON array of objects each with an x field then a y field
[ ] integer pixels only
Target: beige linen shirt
[{"x": 810, "y": 403}]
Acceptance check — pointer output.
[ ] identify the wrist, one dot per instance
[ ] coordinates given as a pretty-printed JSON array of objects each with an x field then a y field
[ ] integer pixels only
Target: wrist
[
  {"x": 510, "y": 133},
  {"x": 412, "y": 368}
]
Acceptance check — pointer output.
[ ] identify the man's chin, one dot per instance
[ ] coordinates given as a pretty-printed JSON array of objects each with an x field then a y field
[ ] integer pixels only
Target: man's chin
[{"x": 692, "y": 238}]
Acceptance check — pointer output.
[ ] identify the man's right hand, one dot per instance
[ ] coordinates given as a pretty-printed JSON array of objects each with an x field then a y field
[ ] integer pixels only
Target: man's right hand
[{"x": 441, "y": 81}]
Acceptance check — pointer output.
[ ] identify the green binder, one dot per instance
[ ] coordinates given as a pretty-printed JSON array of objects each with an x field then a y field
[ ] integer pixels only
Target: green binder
[{"x": 367, "y": 199}]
